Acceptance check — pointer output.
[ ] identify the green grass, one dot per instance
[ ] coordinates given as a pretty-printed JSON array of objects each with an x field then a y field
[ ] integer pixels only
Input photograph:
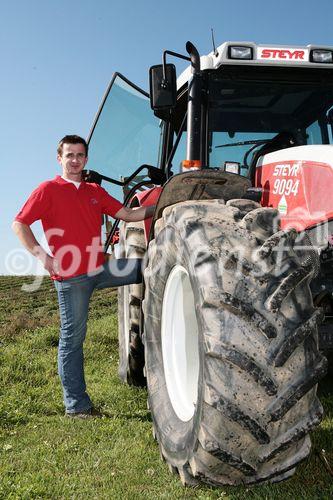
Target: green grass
[{"x": 45, "y": 455}]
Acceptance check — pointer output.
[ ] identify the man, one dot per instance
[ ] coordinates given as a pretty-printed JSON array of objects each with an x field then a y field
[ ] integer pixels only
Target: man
[{"x": 70, "y": 211}]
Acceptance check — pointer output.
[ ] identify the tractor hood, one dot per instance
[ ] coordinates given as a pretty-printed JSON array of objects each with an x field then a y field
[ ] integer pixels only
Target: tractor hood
[{"x": 298, "y": 181}]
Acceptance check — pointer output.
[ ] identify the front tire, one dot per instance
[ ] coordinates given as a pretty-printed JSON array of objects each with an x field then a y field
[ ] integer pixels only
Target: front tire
[{"x": 231, "y": 345}]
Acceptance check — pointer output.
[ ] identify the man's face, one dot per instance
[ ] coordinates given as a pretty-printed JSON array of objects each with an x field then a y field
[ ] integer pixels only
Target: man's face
[{"x": 73, "y": 160}]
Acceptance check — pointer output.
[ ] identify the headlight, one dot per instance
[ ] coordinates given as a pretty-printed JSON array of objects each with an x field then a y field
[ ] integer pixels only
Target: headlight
[
  {"x": 238, "y": 52},
  {"x": 321, "y": 56},
  {"x": 232, "y": 166}
]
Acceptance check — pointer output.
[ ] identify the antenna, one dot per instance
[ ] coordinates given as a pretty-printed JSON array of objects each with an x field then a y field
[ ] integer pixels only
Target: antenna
[{"x": 215, "y": 51}]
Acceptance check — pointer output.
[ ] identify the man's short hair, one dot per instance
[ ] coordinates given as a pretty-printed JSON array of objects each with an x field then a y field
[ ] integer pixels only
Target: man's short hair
[{"x": 71, "y": 139}]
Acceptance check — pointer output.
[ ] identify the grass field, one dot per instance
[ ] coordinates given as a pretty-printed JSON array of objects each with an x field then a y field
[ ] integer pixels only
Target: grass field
[{"x": 46, "y": 455}]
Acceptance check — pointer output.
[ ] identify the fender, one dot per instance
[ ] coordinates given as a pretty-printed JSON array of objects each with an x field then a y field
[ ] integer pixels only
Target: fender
[{"x": 203, "y": 184}]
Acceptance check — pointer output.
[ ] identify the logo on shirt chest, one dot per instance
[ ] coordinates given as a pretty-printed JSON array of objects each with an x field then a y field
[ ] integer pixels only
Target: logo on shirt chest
[{"x": 93, "y": 201}]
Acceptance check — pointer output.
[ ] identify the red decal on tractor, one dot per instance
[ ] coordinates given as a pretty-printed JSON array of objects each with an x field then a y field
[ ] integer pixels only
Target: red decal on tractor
[
  {"x": 289, "y": 54},
  {"x": 300, "y": 190}
]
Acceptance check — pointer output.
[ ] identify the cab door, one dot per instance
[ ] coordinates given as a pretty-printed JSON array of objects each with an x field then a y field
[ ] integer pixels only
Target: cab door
[{"x": 125, "y": 133}]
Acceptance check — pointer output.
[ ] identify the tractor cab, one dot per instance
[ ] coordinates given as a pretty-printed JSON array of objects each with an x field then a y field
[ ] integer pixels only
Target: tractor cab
[{"x": 249, "y": 101}]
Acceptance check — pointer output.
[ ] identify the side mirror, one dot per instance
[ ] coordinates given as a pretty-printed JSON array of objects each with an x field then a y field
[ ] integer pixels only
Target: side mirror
[{"x": 163, "y": 87}]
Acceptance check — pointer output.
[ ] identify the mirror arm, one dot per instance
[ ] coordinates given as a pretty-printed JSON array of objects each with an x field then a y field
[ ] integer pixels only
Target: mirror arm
[{"x": 175, "y": 54}]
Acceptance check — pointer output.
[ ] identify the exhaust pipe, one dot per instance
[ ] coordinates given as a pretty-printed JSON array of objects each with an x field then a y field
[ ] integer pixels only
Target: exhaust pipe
[{"x": 193, "y": 150}]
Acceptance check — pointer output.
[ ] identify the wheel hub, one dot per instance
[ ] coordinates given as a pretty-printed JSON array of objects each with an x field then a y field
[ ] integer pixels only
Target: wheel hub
[{"x": 180, "y": 343}]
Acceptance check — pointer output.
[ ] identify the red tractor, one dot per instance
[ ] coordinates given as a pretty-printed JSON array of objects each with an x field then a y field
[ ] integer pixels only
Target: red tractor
[{"x": 238, "y": 259}]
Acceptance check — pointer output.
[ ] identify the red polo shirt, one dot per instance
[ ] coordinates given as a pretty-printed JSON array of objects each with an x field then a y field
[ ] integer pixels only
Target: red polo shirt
[{"x": 71, "y": 219}]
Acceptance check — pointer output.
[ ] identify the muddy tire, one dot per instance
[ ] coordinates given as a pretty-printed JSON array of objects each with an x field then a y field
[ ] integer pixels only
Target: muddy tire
[
  {"x": 131, "y": 353},
  {"x": 231, "y": 344}
]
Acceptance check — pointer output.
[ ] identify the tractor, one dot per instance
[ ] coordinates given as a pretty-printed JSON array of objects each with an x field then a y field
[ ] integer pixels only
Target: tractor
[{"x": 232, "y": 325}]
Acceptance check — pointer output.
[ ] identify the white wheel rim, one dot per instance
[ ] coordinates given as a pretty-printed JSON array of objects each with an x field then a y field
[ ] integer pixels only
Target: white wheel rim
[
  {"x": 126, "y": 319},
  {"x": 180, "y": 350}
]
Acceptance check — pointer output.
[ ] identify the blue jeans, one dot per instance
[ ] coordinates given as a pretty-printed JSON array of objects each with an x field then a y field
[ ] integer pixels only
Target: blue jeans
[{"x": 74, "y": 296}]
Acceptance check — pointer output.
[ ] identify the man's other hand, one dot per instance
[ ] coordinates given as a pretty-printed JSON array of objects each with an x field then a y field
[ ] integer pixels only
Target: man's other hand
[{"x": 51, "y": 265}]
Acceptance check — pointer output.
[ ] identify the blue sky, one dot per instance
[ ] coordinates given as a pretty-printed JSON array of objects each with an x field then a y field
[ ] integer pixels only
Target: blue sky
[{"x": 58, "y": 56}]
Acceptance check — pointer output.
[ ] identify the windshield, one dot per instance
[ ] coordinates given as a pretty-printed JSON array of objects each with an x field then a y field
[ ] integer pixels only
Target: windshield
[
  {"x": 125, "y": 136},
  {"x": 257, "y": 111}
]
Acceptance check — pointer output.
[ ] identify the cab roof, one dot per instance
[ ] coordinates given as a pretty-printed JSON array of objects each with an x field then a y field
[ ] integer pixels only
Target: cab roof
[{"x": 263, "y": 55}]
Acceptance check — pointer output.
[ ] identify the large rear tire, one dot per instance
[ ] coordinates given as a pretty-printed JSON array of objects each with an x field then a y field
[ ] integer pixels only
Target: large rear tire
[
  {"x": 231, "y": 346},
  {"x": 132, "y": 244}
]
